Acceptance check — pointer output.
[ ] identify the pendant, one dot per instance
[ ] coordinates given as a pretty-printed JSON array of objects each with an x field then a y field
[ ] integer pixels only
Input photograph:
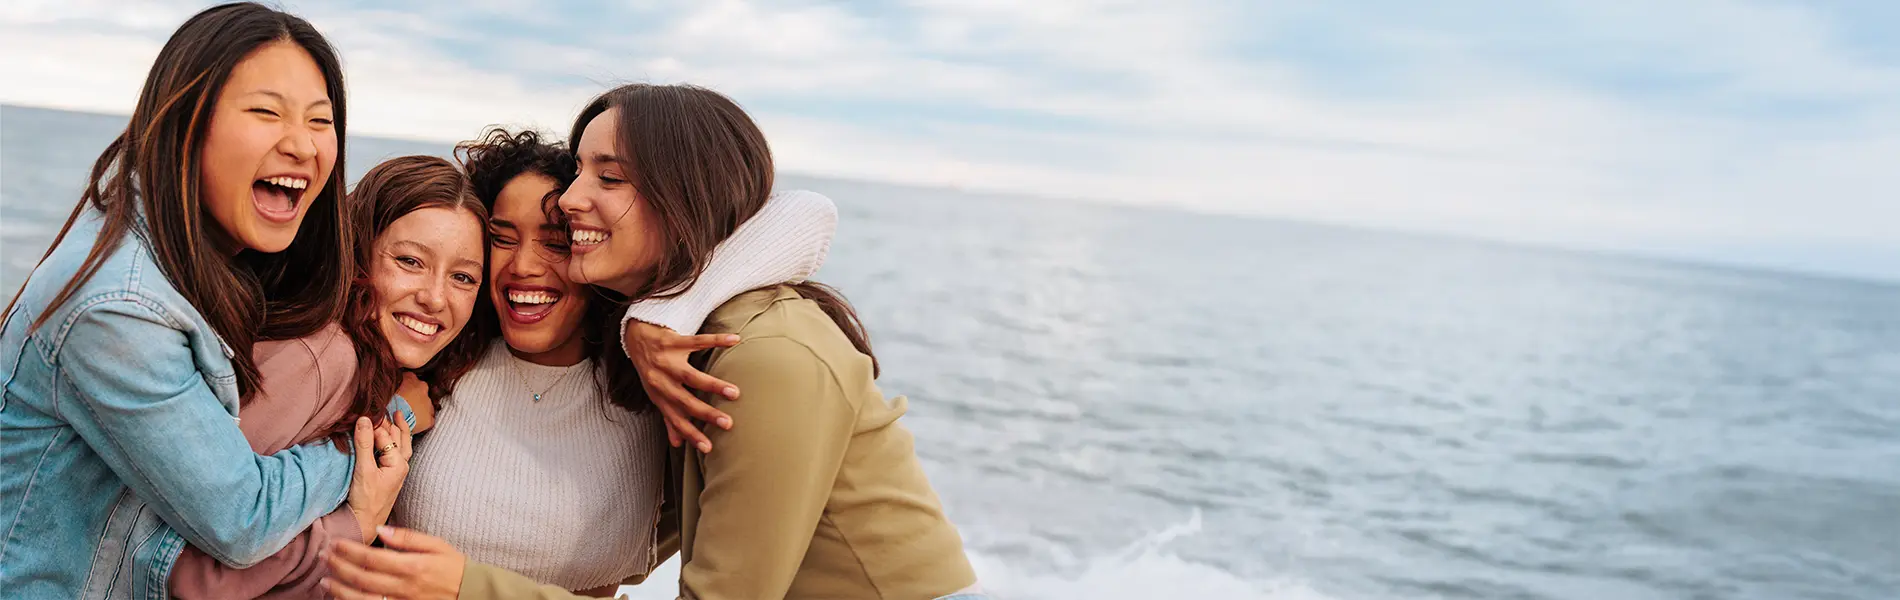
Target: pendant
[{"x": 537, "y": 397}]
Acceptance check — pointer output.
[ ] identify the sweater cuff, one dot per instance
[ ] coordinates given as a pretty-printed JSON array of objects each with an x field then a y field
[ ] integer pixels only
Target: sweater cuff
[{"x": 787, "y": 241}]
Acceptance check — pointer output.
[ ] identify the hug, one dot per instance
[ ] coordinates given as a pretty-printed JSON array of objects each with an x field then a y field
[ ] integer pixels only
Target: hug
[{"x": 536, "y": 371}]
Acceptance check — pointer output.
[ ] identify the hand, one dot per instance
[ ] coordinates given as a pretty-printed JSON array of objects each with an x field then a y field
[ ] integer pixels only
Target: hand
[
  {"x": 416, "y": 392},
  {"x": 377, "y": 479},
  {"x": 414, "y": 566},
  {"x": 660, "y": 356}
]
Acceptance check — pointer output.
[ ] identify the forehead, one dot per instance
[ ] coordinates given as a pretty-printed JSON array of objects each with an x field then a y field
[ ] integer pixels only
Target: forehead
[
  {"x": 281, "y": 67},
  {"x": 600, "y": 132},
  {"x": 520, "y": 200},
  {"x": 445, "y": 231}
]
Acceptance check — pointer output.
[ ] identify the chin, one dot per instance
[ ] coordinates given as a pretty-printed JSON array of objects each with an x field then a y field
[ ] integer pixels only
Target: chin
[{"x": 527, "y": 342}]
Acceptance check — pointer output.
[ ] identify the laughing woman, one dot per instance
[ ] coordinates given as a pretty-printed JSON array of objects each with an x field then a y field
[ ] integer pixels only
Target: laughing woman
[
  {"x": 815, "y": 491},
  {"x": 211, "y": 223}
]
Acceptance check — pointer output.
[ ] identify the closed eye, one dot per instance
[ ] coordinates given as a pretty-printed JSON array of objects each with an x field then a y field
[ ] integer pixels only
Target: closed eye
[{"x": 262, "y": 111}]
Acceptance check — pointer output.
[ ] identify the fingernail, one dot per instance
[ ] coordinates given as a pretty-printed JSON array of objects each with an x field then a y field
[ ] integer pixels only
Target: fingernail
[
  {"x": 384, "y": 530},
  {"x": 732, "y": 393},
  {"x": 725, "y": 422},
  {"x": 705, "y": 446},
  {"x": 732, "y": 339}
]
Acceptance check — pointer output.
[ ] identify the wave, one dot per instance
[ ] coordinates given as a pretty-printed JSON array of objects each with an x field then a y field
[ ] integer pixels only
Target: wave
[{"x": 1143, "y": 570}]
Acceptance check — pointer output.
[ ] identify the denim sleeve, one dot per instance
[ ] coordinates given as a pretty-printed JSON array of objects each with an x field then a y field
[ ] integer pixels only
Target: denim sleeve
[{"x": 145, "y": 408}]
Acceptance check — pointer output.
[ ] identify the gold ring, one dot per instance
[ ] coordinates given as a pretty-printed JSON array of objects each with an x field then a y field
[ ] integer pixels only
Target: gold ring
[{"x": 387, "y": 449}]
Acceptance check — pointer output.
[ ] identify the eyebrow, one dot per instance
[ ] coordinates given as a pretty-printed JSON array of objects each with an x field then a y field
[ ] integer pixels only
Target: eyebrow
[
  {"x": 605, "y": 157},
  {"x": 281, "y": 98},
  {"x": 469, "y": 263},
  {"x": 463, "y": 262}
]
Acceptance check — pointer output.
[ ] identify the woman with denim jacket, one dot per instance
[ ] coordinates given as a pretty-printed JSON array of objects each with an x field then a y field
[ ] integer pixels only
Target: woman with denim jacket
[{"x": 212, "y": 223}]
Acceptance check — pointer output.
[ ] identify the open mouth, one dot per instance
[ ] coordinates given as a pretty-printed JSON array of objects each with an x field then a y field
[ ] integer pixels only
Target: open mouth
[
  {"x": 582, "y": 239},
  {"x": 276, "y": 198},
  {"x": 422, "y": 327},
  {"x": 530, "y": 304}
]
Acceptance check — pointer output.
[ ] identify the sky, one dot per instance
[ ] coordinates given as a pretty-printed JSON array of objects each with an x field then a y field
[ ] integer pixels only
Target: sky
[{"x": 1747, "y": 132}]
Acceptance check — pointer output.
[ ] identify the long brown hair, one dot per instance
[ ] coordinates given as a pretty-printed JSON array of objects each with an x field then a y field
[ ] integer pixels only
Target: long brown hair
[
  {"x": 151, "y": 170},
  {"x": 704, "y": 167},
  {"x": 389, "y": 191}
]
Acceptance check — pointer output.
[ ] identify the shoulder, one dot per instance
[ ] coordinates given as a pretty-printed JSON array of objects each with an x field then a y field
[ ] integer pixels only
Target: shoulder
[
  {"x": 786, "y": 337},
  {"x": 327, "y": 353},
  {"x": 127, "y": 289}
]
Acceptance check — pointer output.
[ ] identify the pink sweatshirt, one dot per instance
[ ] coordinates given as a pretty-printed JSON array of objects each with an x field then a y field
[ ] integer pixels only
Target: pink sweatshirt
[{"x": 304, "y": 389}]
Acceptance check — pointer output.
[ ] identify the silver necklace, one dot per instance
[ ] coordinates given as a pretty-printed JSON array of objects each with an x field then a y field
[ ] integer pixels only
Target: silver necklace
[{"x": 523, "y": 377}]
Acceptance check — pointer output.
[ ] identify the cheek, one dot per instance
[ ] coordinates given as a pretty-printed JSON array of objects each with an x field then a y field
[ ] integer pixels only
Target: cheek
[{"x": 326, "y": 162}]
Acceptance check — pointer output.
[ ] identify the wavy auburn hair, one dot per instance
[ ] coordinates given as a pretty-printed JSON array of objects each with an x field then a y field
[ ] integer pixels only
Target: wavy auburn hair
[{"x": 388, "y": 192}]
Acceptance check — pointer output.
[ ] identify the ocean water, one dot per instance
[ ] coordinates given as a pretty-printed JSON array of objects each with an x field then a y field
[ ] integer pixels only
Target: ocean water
[{"x": 1123, "y": 403}]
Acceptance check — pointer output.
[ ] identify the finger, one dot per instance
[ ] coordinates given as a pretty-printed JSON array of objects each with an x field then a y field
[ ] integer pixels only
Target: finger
[
  {"x": 406, "y": 439},
  {"x": 686, "y": 402},
  {"x": 343, "y": 591},
  {"x": 413, "y": 541},
  {"x": 365, "y": 443},
  {"x": 699, "y": 380},
  {"x": 672, "y": 437},
  {"x": 361, "y": 576},
  {"x": 389, "y": 458},
  {"x": 678, "y": 425},
  {"x": 375, "y": 560},
  {"x": 703, "y": 341}
]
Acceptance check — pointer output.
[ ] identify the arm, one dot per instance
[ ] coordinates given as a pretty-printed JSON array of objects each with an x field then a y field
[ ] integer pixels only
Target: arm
[
  {"x": 787, "y": 240},
  {"x": 486, "y": 582},
  {"x": 289, "y": 409},
  {"x": 768, "y": 485},
  {"x": 295, "y": 570},
  {"x": 147, "y": 411}
]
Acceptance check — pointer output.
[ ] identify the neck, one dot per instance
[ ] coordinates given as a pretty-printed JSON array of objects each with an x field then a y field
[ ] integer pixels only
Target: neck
[{"x": 569, "y": 353}]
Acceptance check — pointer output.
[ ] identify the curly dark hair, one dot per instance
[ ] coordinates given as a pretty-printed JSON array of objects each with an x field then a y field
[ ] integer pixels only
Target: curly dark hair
[{"x": 498, "y": 157}]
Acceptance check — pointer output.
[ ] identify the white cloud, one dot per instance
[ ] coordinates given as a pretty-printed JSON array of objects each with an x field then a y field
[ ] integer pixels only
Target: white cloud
[{"x": 1151, "y": 102}]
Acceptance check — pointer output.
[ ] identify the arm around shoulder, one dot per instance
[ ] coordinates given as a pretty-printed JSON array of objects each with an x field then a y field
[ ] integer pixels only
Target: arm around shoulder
[{"x": 149, "y": 413}]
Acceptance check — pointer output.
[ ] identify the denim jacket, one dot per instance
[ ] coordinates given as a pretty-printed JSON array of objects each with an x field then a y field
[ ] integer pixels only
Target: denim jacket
[{"x": 119, "y": 440}]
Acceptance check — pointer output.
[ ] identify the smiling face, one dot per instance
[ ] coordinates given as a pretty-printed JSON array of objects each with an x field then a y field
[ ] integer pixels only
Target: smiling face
[
  {"x": 427, "y": 272},
  {"x": 541, "y": 310},
  {"x": 614, "y": 232},
  {"x": 269, "y": 148}
]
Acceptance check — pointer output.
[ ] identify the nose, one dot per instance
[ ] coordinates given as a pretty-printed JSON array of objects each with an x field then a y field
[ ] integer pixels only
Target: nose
[
  {"x": 525, "y": 262},
  {"x": 434, "y": 297},
  {"x": 297, "y": 145},
  {"x": 575, "y": 199}
]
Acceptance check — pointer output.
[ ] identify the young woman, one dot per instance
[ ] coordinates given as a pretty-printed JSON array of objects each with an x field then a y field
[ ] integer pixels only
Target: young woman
[
  {"x": 816, "y": 492},
  {"x": 211, "y": 223},
  {"x": 419, "y": 239},
  {"x": 545, "y": 459}
]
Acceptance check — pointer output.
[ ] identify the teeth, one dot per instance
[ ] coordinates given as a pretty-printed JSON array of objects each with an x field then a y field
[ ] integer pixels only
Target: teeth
[
  {"x": 294, "y": 183},
  {"x": 521, "y": 297},
  {"x": 588, "y": 237},
  {"x": 419, "y": 326}
]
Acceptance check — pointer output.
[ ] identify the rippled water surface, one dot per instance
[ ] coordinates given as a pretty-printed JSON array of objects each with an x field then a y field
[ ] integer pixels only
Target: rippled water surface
[{"x": 1134, "y": 403}]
